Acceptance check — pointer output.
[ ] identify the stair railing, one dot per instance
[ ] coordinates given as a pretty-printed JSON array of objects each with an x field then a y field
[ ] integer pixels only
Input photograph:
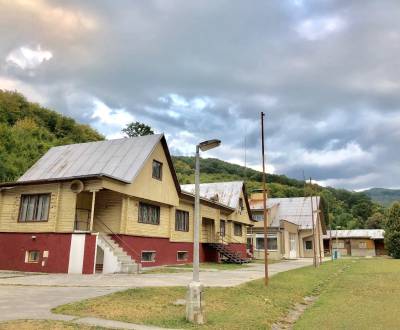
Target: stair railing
[{"x": 125, "y": 244}]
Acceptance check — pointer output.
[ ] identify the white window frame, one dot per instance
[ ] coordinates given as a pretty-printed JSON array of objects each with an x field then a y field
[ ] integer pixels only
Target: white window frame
[
  {"x": 177, "y": 255},
  {"x": 146, "y": 251}
]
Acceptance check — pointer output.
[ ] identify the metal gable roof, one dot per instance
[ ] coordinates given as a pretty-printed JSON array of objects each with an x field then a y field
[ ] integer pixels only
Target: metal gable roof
[
  {"x": 356, "y": 233},
  {"x": 120, "y": 159},
  {"x": 296, "y": 210},
  {"x": 228, "y": 192}
]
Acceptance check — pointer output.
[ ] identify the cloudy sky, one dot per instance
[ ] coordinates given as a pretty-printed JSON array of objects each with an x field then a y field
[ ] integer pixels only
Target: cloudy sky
[{"x": 326, "y": 73}]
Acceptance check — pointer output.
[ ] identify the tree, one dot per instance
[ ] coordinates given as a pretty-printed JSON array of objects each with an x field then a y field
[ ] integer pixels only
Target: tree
[
  {"x": 137, "y": 129},
  {"x": 375, "y": 221},
  {"x": 392, "y": 231}
]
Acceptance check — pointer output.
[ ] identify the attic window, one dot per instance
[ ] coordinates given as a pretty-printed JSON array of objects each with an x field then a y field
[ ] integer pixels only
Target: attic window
[
  {"x": 241, "y": 206},
  {"x": 157, "y": 170}
]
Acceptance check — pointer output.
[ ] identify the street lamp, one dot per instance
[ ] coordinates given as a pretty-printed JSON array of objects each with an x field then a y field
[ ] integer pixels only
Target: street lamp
[{"x": 194, "y": 310}]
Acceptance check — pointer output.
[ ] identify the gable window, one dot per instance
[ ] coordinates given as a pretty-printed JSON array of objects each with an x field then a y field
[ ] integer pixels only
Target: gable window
[
  {"x": 182, "y": 256},
  {"x": 157, "y": 170},
  {"x": 34, "y": 207},
  {"x": 148, "y": 256},
  {"x": 241, "y": 206},
  {"x": 149, "y": 214},
  {"x": 308, "y": 245},
  {"x": 32, "y": 256},
  {"x": 181, "y": 220},
  {"x": 237, "y": 229}
]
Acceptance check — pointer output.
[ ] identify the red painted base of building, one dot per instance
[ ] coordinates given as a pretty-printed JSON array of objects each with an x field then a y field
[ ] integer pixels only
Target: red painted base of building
[
  {"x": 167, "y": 251},
  {"x": 15, "y": 246}
]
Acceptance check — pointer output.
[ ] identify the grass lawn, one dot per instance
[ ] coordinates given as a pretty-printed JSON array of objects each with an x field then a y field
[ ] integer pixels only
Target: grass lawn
[
  {"x": 44, "y": 325},
  {"x": 248, "y": 306},
  {"x": 354, "y": 294},
  {"x": 365, "y": 297}
]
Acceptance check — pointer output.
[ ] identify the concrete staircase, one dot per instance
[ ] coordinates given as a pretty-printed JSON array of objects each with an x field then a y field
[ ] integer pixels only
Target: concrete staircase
[{"x": 116, "y": 260}]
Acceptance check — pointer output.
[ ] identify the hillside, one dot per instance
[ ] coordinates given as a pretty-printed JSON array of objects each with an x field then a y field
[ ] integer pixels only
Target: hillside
[
  {"x": 28, "y": 130},
  {"x": 383, "y": 196}
]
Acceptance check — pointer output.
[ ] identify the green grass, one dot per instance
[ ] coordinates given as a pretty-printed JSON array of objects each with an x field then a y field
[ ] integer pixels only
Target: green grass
[
  {"x": 44, "y": 325},
  {"x": 367, "y": 296},
  {"x": 248, "y": 306}
]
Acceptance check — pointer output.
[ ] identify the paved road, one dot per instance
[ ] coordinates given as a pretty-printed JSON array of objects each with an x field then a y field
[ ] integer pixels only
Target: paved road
[{"x": 27, "y": 296}]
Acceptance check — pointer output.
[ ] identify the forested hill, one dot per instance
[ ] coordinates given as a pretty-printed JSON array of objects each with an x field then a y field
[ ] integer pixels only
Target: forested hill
[
  {"x": 346, "y": 208},
  {"x": 383, "y": 196},
  {"x": 28, "y": 130}
]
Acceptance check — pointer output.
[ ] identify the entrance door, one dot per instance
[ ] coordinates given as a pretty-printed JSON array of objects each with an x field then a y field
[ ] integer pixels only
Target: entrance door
[
  {"x": 292, "y": 246},
  {"x": 208, "y": 230}
]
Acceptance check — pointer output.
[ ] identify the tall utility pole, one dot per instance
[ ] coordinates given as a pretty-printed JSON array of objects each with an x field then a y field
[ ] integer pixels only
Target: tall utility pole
[
  {"x": 313, "y": 228},
  {"x": 317, "y": 226},
  {"x": 264, "y": 202}
]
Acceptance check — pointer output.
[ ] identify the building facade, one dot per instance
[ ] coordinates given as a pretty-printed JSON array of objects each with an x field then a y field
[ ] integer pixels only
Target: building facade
[
  {"x": 355, "y": 242},
  {"x": 295, "y": 227},
  {"x": 112, "y": 206}
]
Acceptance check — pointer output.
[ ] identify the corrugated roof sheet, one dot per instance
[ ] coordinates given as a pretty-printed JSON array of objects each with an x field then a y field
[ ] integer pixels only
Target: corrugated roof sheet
[
  {"x": 356, "y": 233},
  {"x": 120, "y": 159},
  {"x": 228, "y": 192},
  {"x": 296, "y": 210}
]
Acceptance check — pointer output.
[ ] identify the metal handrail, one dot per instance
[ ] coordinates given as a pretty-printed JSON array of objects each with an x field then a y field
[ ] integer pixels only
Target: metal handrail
[
  {"x": 223, "y": 240},
  {"x": 121, "y": 240}
]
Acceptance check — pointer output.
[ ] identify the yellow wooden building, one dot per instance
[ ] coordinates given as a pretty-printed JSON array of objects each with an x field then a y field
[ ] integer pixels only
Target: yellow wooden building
[
  {"x": 113, "y": 206},
  {"x": 295, "y": 227}
]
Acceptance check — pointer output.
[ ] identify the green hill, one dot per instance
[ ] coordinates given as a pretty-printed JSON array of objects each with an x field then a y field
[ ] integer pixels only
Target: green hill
[
  {"x": 383, "y": 196},
  {"x": 28, "y": 130}
]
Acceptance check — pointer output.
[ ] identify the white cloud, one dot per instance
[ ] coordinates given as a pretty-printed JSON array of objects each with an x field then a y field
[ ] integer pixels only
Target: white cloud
[
  {"x": 110, "y": 121},
  {"x": 318, "y": 28},
  {"x": 28, "y": 58}
]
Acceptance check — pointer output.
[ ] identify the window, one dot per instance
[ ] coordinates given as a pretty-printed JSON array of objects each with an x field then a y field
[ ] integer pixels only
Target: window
[
  {"x": 308, "y": 245},
  {"x": 149, "y": 214},
  {"x": 258, "y": 217},
  {"x": 272, "y": 243},
  {"x": 260, "y": 243},
  {"x": 182, "y": 256},
  {"x": 148, "y": 256},
  {"x": 338, "y": 245},
  {"x": 32, "y": 256},
  {"x": 34, "y": 208},
  {"x": 241, "y": 207},
  {"x": 249, "y": 243},
  {"x": 222, "y": 229},
  {"x": 181, "y": 220},
  {"x": 237, "y": 229},
  {"x": 362, "y": 245},
  {"x": 157, "y": 170}
]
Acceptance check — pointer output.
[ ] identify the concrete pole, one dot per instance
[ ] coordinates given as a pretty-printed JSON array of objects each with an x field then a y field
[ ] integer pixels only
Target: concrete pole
[
  {"x": 194, "y": 308},
  {"x": 196, "y": 229}
]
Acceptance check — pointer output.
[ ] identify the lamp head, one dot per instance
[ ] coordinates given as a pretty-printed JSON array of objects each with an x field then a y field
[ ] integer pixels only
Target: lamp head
[{"x": 209, "y": 144}]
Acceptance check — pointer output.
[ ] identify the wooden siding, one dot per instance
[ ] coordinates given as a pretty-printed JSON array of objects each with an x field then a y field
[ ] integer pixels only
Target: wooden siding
[
  {"x": 181, "y": 236},
  {"x": 134, "y": 227},
  {"x": 145, "y": 186},
  {"x": 61, "y": 212},
  {"x": 107, "y": 211}
]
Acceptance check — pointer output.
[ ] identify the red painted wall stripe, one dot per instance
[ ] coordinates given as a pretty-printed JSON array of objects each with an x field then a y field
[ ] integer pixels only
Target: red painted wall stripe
[
  {"x": 89, "y": 254},
  {"x": 14, "y": 245}
]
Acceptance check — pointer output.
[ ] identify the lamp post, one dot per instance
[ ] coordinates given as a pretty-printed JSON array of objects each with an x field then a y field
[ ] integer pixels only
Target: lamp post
[{"x": 194, "y": 310}]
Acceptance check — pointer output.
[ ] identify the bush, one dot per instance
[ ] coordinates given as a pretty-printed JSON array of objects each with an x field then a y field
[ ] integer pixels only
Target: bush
[{"x": 392, "y": 231}]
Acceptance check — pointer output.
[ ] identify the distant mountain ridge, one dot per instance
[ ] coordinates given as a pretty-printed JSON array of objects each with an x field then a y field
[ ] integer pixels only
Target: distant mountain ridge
[{"x": 383, "y": 196}]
